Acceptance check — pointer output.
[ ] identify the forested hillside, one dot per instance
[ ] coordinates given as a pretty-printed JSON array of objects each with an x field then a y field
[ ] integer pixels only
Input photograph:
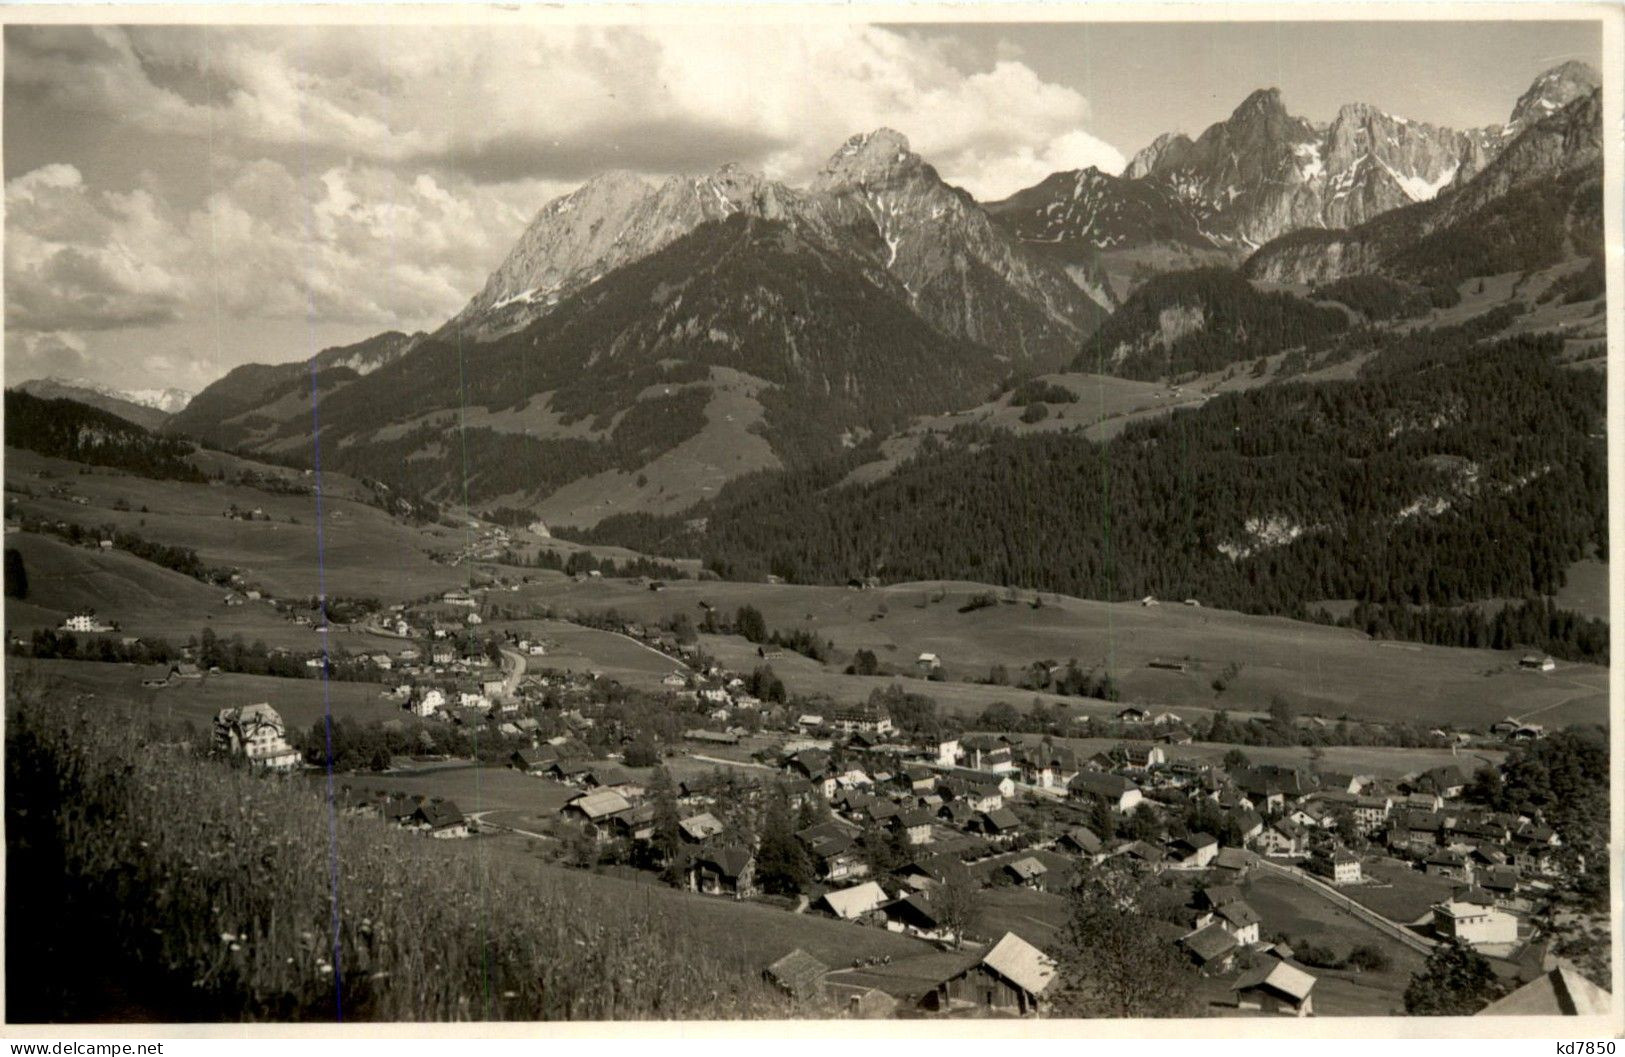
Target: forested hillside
[
  {"x": 68, "y": 429},
  {"x": 1448, "y": 472},
  {"x": 1202, "y": 320}
]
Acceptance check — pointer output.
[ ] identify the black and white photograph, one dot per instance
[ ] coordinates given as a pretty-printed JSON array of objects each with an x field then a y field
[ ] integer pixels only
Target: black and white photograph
[{"x": 1049, "y": 516}]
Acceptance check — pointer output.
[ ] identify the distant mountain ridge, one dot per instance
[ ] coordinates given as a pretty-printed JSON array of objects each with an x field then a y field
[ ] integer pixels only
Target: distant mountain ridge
[{"x": 148, "y": 408}]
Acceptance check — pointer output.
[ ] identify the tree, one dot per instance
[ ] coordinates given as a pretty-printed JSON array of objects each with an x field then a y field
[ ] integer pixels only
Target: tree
[
  {"x": 1456, "y": 981},
  {"x": 666, "y": 839},
  {"x": 1236, "y": 760},
  {"x": 957, "y": 902},
  {"x": 16, "y": 575},
  {"x": 750, "y": 623},
  {"x": 1111, "y": 961},
  {"x": 865, "y": 663}
]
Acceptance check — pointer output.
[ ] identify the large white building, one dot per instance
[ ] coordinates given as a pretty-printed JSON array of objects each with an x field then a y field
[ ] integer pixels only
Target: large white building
[
  {"x": 256, "y": 733},
  {"x": 1471, "y": 916}
]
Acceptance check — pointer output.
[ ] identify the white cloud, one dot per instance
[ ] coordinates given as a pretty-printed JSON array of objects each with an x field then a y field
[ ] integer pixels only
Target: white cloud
[
  {"x": 373, "y": 177},
  {"x": 562, "y": 103}
]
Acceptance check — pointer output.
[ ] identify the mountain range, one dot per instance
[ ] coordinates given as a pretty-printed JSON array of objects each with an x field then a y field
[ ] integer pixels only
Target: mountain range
[
  {"x": 645, "y": 343},
  {"x": 1263, "y": 173},
  {"x": 150, "y": 408}
]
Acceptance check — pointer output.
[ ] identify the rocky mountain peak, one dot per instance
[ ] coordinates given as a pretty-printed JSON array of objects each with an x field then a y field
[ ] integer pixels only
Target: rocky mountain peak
[
  {"x": 1166, "y": 148},
  {"x": 1552, "y": 91},
  {"x": 866, "y": 158}
]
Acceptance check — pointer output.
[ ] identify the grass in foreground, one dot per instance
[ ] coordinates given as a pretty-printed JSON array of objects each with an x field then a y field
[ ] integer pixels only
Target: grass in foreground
[{"x": 147, "y": 882}]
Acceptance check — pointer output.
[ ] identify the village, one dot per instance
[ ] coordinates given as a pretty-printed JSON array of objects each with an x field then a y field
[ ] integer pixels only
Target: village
[{"x": 948, "y": 838}]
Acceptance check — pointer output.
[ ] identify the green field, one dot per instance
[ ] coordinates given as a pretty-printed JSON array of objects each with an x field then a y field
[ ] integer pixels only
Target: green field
[
  {"x": 1320, "y": 670},
  {"x": 1349, "y": 759},
  {"x": 580, "y": 649},
  {"x": 1288, "y": 909},
  {"x": 521, "y": 800},
  {"x": 1402, "y": 893}
]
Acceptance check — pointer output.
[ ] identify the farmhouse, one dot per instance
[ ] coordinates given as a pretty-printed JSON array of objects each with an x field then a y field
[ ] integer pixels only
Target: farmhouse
[
  {"x": 1011, "y": 977},
  {"x": 850, "y": 904},
  {"x": 439, "y": 819},
  {"x": 1276, "y": 987},
  {"x": 1117, "y": 792},
  {"x": 1211, "y": 947},
  {"x": 798, "y": 974}
]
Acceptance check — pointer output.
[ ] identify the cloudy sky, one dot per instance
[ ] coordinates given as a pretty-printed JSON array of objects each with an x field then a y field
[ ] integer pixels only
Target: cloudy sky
[{"x": 181, "y": 200}]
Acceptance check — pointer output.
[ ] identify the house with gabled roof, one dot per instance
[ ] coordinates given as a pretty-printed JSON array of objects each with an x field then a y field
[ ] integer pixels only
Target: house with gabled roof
[
  {"x": 1276, "y": 987},
  {"x": 851, "y": 904},
  {"x": 1560, "y": 992},
  {"x": 729, "y": 871},
  {"x": 798, "y": 974},
  {"x": 1117, "y": 792},
  {"x": 1013, "y": 977},
  {"x": 1211, "y": 947}
]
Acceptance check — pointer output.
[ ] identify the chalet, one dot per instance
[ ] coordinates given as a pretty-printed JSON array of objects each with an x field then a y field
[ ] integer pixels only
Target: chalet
[
  {"x": 926, "y": 663},
  {"x": 1447, "y": 863},
  {"x": 798, "y": 974},
  {"x": 854, "y": 903},
  {"x": 723, "y": 871},
  {"x": 999, "y": 824},
  {"x": 255, "y": 733},
  {"x": 1536, "y": 662},
  {"x": 439, "y": 819},
  {"x": 1276, "y": 987},
  {"x": 1249, "y": 823},
  {"x": 834, "y": 851},
  {"x": 1448, "y": 782},
  {"x": 1012, "y": 977},
  {"x": 917, "y": 914},
  {"x": 636, "y": 825},
  {"x": 534, "y": 761},
  {"x": 1238, "y": 918},
  {"x": 1470, "y": 916},
  {"x": 185, "y": 670},
  {"x": 1132, "y": 714},
  {"x": 1212, "y": 948},
  {"x": 1141, "y": 852},
  {"x": 1080, "y": 841},
  {"x": 1026, "y": 872},
  {"x": 1193, "y": 852},
  {"x": 1114, "y": 790},
  {"x": 597, "y": 808},
  {"x": 915, "y": 826},
  {"x": 697, "y": 829}
]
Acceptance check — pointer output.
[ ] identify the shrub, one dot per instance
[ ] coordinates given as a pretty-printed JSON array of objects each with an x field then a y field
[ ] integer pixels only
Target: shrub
[{"x": 1035, "y": 413}]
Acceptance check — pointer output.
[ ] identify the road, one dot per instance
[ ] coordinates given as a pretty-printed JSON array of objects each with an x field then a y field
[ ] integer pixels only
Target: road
[{"x": 510, "y": 682}]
